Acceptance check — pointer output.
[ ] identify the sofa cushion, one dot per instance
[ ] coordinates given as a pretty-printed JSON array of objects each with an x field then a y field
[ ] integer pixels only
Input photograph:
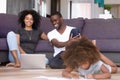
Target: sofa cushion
[
  {"x": 102, "y": 28},
  {"x": 75, "y": 22},
  {"x": 7, "y": 23},
  {"x": 3, "y": 44},
  {"x": 108, "y": 45},
  {"x": 44, "y": 46},
  {"x": 105, "y": 32},
  {"x": 47, "y": 26}
]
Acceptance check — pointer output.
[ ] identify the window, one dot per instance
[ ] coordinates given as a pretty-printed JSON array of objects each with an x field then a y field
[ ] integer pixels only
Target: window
[
  {"x": 81, "y": 10},
  {"x": 40, "y": 6}
]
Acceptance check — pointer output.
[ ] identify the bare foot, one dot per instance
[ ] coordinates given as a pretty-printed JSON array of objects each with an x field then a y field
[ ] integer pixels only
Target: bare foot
[
  {"x": 10, "y": 64},
  {"x": 17, "y": 65},
  {"x": 94, "y": 42}
]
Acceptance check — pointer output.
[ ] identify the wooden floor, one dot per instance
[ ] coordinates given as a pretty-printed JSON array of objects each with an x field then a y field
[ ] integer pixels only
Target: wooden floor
[{"x": 9, "y": 73}]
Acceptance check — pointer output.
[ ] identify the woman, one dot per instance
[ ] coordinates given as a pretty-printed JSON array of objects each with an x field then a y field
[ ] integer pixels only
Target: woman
[{"x": 25, "y": 39}]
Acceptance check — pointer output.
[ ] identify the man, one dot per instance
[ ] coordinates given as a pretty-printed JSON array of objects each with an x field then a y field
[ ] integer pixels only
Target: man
[{"x": 59, "y": 38}]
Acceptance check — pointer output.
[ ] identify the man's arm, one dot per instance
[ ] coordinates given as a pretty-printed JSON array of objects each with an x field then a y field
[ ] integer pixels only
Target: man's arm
[
  {"x": 58, "y": 44},
  {"x": 63, "y": 44}
]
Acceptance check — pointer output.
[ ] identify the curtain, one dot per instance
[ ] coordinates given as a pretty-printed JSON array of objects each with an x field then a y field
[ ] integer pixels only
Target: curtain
[{"x": 15, "y": 6}]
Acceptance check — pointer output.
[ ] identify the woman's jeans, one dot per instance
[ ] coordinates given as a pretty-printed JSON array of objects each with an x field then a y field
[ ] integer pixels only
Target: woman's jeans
[{"x": 12, "y": 44}]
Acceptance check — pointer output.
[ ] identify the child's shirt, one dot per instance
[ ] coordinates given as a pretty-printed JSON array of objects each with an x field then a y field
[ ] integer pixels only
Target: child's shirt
[{"x": 94, "y": 68}]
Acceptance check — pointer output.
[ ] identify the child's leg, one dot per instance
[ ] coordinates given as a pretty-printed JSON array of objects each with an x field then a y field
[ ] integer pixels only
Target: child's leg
[
  {"x": 114, "y": 69},
  {"x": 14, "y": 54},
  {"x": 109, "y": 62}
]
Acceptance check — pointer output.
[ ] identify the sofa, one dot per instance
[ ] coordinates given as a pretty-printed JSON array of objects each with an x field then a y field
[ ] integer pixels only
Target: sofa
[{"x": 106, "y": 32}]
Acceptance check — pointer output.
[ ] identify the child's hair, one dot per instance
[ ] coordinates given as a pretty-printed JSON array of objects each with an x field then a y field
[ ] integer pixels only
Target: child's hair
[{"x": 80, "y": 51}]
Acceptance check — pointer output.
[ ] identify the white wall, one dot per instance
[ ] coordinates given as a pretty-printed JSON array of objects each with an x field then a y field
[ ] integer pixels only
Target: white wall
[
  {"x": 81, "y": 10},
  {"x": 112, "y": 1},
  {"x": 2, "y": 6},
  {"x": 64, "y": 8},
  {"x": 115, "y": 7},
  {"x": 48, "y": 7},
  {"x": 114, "y": 11},
  {"x": 95, "y": 10}
]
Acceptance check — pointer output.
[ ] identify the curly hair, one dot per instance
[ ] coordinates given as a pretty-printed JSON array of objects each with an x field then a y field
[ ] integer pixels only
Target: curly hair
[
  {"x": 80, "y": 51},
  {"x": 36, "y": 18}
]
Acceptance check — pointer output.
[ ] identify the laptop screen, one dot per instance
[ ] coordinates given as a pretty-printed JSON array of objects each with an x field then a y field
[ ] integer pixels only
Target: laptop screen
[{"x": 33, "y": 61}]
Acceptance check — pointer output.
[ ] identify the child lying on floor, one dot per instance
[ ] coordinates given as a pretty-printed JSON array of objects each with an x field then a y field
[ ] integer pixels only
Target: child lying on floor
[{"x": 83, "y": 56}]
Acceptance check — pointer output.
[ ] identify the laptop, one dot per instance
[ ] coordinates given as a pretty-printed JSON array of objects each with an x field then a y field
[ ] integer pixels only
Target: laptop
[{"x": 33, "y": 61}]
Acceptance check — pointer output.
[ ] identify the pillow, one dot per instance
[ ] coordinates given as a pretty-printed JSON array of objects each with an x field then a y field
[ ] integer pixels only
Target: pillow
[
  {"x": 8, "y": 23},
  {"x": 102, "y": 28},
  {"x": 75, "y": 22},
  {"x": 46, "y": 25},
  {"x": 3, "y": 44}
]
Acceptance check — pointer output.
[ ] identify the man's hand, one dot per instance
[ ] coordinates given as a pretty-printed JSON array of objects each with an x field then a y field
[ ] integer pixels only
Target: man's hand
[{"x": 75, "y": 37}]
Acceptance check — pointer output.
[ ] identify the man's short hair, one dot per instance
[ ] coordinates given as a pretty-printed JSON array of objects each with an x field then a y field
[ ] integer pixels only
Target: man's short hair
[{"x": 56, "y": 13}]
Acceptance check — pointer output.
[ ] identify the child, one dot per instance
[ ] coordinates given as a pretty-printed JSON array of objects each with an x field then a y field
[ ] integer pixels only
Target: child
[{"x": 83, "y": 56}]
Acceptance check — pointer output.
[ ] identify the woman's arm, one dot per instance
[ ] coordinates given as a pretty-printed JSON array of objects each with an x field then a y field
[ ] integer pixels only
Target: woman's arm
[
  {"x": 18, "y": 41},
  {"x": 44, "y": 36}
]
